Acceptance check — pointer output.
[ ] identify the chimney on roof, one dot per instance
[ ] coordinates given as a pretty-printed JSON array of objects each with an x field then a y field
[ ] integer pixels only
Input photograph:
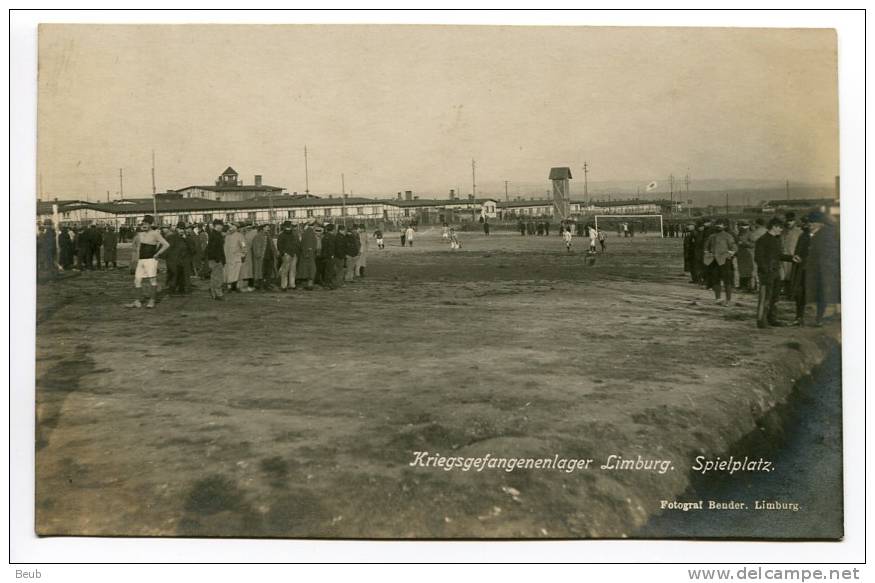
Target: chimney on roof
[
  {"x": 452, "y": 194},
  {"x": 415, "y": 198},
  {"x": 399, "y": 196},
  {"x": 330, "y": 196},
  {"x": 408, "y": 195},
  {"x": 470, "y": 197},
  {"x": 345, "y": 195},
  {"x": 258, "y": 180}
]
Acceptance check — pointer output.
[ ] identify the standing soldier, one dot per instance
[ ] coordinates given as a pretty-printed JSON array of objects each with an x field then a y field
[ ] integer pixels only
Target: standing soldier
[
  {"x": 247, "y": 269},
  {"x": 235, "y": 253},
  {"x": 329, "y": 250},
  {"x": 306, "y": 265},
  {"x": 215, "y": 254},
  {"x": 287, "y": 248},
  {"x": 353, "y": 252},
  {"x": 203, "y": 238},
  {"x": 768, "y": 255},
  {"x": 364, "y": 242},
  {"x": 110, "y": 247},
  {"x": 744, "y": 257},
  {"x": 822, "y": 274}
]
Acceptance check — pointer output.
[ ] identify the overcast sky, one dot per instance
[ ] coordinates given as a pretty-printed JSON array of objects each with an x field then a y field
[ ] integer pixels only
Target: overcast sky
[{"x": 407, "y": 108}]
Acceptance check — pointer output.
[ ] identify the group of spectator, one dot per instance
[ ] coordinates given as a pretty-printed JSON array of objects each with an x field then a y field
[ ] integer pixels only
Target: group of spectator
[{"x": 784, "y": 257}]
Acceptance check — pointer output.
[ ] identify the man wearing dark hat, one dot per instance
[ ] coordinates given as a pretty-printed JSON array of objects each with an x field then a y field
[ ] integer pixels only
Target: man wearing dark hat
[
  {"x": 306, "y": 265},
  {"x": 152, "y": 245},
  {"x": 353, "y": 252},
  {"x": 215, "y": 254},
  {"x": 789, "y": 238},
  {"x": 341, "y": 250},
  {"x": 179, "y": 257},
  {"x": 287, "y": 245},
  {"x": 745, "y": 256},
  {"x": 822, "y": 266},
  {"x": 797, "y": 275},
  {"x": 329, "y": 249},
  {"x": 768, "y": 255},
  {"x": 110, "y": 247}
]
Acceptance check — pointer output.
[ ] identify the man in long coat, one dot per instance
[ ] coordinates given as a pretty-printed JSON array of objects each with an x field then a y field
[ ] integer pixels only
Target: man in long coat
[
  {"x": 66, "y": 247},
  {"x": 789, "y": 238},
  {"x": 235, "y": 252},
  {"x": 246, "y": 268},
  {"x": 746, "y": 244},
  {"x": 110, "y": 248},
  {"x": 822, "y": 268},
  {"x": 257, "y": 250},
  {"x": 363, "y": 250},
  {"x": 306, "y": 267},
  {"x": 215, "y": 254}
]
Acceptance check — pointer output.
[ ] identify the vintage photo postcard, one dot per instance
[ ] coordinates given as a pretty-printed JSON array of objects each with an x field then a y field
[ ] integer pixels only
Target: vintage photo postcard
[{"x": 438, "y": 282}]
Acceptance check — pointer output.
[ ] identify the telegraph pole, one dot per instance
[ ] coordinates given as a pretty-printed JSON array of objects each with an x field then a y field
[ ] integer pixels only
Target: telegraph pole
[
  {"x": 343, "y": 197},
  {"x": 473, "y": 178},
  {"x": 121, "y": 184},
  {"x": 153, "y": 173},
  {"x": 306, "y": 172},
  {"x": 671, "y": 187},
  {"x": 506, "y": 198},
  {"x": 585, "y": 181}
]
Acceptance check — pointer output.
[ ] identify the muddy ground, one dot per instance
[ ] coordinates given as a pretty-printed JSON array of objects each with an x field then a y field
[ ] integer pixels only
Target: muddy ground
[{"x": 298, "y": 414}]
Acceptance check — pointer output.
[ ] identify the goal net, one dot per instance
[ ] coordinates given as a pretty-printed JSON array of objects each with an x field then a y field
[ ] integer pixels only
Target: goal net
[{"x": 630, "y": 225}]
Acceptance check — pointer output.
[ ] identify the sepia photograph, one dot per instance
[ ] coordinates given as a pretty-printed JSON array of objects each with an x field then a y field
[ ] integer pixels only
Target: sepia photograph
[{"x": 438, "y": 282}]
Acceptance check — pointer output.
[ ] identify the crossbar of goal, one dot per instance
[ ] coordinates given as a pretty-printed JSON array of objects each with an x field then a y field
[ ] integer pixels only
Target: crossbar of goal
[{"x": 661, "y": 233}]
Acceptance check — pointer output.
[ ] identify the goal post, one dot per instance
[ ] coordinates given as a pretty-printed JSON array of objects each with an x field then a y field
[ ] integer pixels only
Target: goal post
[{"x": 615, "y": 219}]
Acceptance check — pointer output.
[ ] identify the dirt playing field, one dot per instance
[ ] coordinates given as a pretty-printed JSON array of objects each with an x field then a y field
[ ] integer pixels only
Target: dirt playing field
[{"x": 299, "y": 414}]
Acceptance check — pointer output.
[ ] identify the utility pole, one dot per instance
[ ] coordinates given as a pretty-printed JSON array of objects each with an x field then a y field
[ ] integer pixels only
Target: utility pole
[
  {"x": 153, "y": 173},
  {"x": 107, "y": 196},
  {"x": 121, "y": 184},
  {"x": 306, "y": 173},
  {"x": 727, "y": 203},
  {"x": 671, "y": 187},
  {"x": 473, "y": 178},
  {"x": 585, "y": 181},
  {"x": 343, "y": 196},
  {"x": 506, "y": 198},
  {"x": 787, "y": 186}
]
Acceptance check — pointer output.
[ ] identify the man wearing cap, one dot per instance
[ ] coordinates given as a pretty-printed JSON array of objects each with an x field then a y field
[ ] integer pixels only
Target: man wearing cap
[
  {"x": 110, "y": 247},
  {"x": 247, "y": 268},
  {"x": 789, "y": 238},
  {"x": 363, "y": 250},
  {"x": 235, "y": 252},
  {"x": 152, "y": 245},
  {"x": 745, "y": 256},
  {"x": 768, "y": 255},
  {"x": 340, "y": 254},
  {"x": 822, "y": 266},
  {"x": 329, "y": 248},
  {"x": 306, "y": 263},
  {"x": 719, "y": 250},
  {"x": 353, "y": 252},
  {"x": 178, "y": 260},
  {"x": 288, "y": 248},
  {"x": 215, "y": 254}
]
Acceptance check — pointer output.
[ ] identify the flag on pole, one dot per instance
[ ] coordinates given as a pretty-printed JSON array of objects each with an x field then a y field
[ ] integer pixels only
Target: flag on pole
[{"x": 652, "y": 186}]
